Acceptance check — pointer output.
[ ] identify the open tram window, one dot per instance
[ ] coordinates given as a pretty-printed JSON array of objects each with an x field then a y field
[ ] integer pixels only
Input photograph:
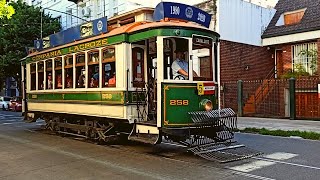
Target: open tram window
[
  {"x": 93, "y": 69},
  {"x": 80, "y": 70},
  {"x": 58, "y": 72},
  {"x": 68, "y": 71},
  {"x": 108, "y": 67},
  {"x": 202, "y": 58},
  {"x": 49, "y": 82},
  {"x": 176, "y": 61},
  {"x": 40, "y": 75},
  {"x": 33, "y": 76}
]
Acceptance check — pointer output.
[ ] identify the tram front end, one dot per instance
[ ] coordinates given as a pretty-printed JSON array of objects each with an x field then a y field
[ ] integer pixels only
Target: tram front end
[{"x": 190, "y": 116}]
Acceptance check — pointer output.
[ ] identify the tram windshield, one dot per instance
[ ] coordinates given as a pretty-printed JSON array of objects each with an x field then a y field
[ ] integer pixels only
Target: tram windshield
[
  {"x": 202, "y": 59},
  {"x": 178, "y": 59}
]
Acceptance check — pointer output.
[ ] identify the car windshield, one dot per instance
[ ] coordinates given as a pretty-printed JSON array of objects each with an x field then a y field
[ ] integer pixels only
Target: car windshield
[{"x": 6, "y": 99}]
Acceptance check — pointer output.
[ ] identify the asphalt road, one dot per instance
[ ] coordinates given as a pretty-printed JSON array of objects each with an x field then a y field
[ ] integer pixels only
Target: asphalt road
[{"x": 27, "y": 153}]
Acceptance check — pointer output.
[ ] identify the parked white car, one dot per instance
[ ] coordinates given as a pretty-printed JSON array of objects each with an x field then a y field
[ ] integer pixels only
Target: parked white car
[{"x": 4, "y": 102}]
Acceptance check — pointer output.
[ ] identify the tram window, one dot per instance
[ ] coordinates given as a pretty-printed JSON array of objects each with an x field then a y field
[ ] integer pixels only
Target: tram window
[
  {"x": 33, "y": 76},
  {"x": 108, "y": 55},
  {"x": 80, "y": 70},
  {"x": 58, "y": 72},
  {"x": 93, "y": 69},
  {"x": 108, "y": 67},
  {"x": 202, "y": 59},
  {"x": 49, "y": 74},
  {"x": 68, "y": 68},
  {"x": 40, "y": 75},
  {"x": 176, "y": 61},
  {"x": 138, "y": 67}
]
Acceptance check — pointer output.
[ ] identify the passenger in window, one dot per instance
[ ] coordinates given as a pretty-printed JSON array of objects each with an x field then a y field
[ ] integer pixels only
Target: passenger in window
[
  {"x": 59, "y": 81},
  {"x": 68, "y": 81},
  {"x": 112, "y": 80},
  {"x": 49, "y": 81},
  {"x": 82, "y": 79},
  {"x": 95, "y": 79}
]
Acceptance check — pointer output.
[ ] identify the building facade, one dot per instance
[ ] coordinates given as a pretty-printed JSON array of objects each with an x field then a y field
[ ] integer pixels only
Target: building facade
[
  {"x": 72, "y": 12},
  {"x": 242, "y": 57}
]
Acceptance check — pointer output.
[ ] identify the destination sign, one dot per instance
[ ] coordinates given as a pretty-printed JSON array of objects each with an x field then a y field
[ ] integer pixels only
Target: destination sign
[
  {"x": 181, "y": 11},
  {"x": 200, "y": 40}
]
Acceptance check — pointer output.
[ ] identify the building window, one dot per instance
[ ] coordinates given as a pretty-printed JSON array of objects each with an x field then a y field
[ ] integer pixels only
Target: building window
[
  {"x": 108, "y": 67},
  {"x": 304, "y": 58},
  {"x": 293, "y": 17}
]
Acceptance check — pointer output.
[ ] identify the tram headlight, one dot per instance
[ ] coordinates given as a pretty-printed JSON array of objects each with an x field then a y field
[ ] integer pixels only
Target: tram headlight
[{"x": 206, "y": 104}]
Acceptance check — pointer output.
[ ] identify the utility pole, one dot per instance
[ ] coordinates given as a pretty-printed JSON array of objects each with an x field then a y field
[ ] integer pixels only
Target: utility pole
[{"x": 41, "y": 11}]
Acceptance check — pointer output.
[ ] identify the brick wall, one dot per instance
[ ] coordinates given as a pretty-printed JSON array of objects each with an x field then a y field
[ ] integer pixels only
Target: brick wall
[
  {"x": 245, "y": 62},
  {"x": 241, "y": 62}
]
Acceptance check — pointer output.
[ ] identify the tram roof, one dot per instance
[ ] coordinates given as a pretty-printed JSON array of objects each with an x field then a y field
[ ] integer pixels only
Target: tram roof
[{"x": 130, "y": 29}]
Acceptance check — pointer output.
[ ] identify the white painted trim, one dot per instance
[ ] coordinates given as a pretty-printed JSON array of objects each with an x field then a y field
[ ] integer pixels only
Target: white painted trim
[
  {"x": 159, "y": 42},
  {"x": 82, "y": 109},
  {"x": 291, "y": 38}
]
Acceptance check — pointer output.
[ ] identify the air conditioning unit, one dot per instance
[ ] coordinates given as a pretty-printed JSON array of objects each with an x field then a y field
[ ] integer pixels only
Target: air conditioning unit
[{"x": 86, "y": 12}]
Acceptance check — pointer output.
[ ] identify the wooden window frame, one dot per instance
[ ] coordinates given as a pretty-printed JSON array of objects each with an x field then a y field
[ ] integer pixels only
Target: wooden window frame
[
  {"x": 108, "y": 59},
  {"x": 293, "y": 17}
]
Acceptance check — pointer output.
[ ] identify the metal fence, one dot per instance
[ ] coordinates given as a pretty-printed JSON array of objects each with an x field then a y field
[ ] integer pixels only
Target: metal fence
[{"x": 271, "y": 98}]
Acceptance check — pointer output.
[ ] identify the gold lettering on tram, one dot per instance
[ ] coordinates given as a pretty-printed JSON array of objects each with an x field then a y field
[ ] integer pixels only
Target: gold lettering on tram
[
  {"x": 72, "y": 49},
  {"x": 106, "y": 96}
]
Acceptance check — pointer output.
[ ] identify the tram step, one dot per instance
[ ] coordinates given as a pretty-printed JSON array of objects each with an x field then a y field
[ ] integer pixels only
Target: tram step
[
  {"x": 145, "y": 133},
  {"x": 224, "y": 152}
]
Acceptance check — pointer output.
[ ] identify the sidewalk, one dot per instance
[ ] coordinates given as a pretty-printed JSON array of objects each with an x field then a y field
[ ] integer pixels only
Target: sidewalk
[{"x": 282, "y": 124}]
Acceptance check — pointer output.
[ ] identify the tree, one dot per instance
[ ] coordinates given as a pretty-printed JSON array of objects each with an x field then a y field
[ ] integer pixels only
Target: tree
[
  {"x": 19, "y": 32},
  {"x": 6, "y": 11}
]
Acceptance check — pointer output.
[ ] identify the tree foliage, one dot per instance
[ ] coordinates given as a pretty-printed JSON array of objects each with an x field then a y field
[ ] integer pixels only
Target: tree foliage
[
  {"x": 18, "y": 32},
  {"x": 6, "y": 11}
]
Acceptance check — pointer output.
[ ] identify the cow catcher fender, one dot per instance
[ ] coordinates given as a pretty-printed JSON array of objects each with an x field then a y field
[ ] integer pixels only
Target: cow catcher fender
[{"x": 211, "y": 136}]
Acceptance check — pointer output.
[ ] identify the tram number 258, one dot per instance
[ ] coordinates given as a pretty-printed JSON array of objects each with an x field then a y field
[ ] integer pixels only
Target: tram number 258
[{"x": 179, "y": 102}]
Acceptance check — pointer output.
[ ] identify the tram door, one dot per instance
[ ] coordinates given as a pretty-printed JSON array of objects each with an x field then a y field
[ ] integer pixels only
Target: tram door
[{"x": 152, "y": 79}]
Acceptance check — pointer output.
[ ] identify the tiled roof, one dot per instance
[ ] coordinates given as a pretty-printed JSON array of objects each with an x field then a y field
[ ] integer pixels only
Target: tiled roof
[{"x": 309, "y": 22}]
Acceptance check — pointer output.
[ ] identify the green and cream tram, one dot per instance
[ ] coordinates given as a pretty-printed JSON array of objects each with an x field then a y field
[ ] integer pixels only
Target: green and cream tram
[{"x": 122, "y": 82}]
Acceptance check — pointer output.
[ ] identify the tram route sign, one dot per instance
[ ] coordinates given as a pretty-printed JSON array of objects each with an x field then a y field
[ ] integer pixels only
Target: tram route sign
[{"x": 181, "y": 11}]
